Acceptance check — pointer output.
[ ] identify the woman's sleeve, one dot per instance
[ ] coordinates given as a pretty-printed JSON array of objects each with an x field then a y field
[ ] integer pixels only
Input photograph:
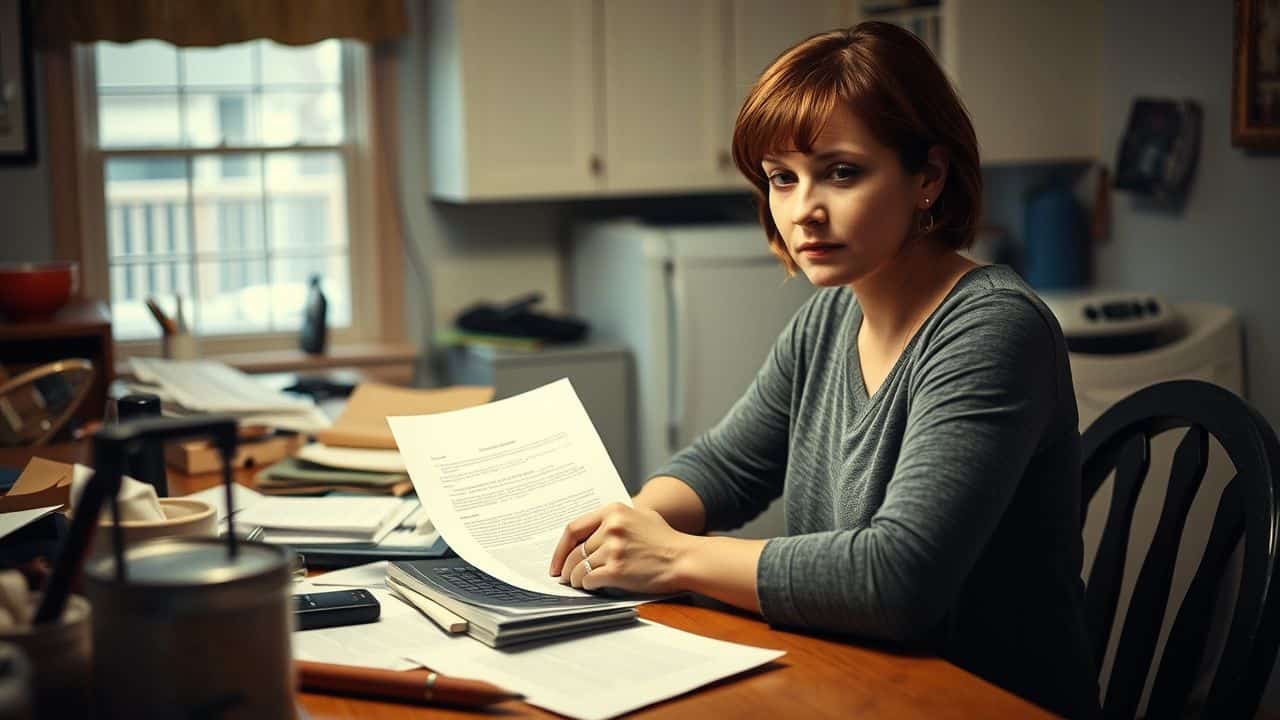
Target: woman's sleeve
[
  {"x": 981, "y": 399},
  {"x": 737, "y": 467}
]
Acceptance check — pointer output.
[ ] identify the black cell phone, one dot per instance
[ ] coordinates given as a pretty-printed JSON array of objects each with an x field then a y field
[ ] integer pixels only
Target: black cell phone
[{"x": 329, "y": 609}]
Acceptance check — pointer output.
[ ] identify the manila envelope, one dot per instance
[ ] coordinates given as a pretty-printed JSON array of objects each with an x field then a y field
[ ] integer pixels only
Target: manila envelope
[
  {"x": 42, "y": 483},
  {"x": 363, "y": 422}
]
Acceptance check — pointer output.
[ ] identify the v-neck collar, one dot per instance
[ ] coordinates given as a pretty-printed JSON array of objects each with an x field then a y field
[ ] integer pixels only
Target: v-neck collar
[{"x": 866, "y": 400}]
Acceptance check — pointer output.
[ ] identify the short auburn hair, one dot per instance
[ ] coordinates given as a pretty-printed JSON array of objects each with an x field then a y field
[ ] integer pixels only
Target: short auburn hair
[{"x": 890, "y": 80}]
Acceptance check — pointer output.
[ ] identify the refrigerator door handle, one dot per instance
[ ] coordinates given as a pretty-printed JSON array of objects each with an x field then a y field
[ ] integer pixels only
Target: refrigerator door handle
[{"x": 678, "y": 358}]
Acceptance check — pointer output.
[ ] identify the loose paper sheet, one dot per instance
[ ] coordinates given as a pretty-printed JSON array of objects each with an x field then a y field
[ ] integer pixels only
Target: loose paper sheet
[
  {"x": 604, "y": 674},
  {"x": 503, "y": 479},
  {"x": 399, "y": 632}
]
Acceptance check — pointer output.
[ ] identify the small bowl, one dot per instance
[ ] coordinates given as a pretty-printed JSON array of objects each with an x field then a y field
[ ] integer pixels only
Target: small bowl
[
  {"x": 183, "y": 517},
  {"x": 31, "y": 292}
]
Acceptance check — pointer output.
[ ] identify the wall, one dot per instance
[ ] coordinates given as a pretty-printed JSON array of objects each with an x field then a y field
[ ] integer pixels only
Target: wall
[
  {"x": 26, "y": 232},
  {"x": 1224, "y": 246}
]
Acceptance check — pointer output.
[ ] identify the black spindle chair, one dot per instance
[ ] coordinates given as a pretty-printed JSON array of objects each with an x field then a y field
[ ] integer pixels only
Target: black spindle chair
[{"x": 1248, "y": 510}]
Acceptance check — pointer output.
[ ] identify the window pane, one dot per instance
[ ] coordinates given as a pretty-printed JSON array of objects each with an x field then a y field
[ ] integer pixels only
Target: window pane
[
  {"x": 226, "y": 65},
  {"x": 301, "y": 117},
  {"x": 292, "y": 283},
  {"x": 138, "y": 121},
  {"x": 148, "y": 63},
  {"x": 307, "y": 197},
  {"x": 227, "y": 193},
  {"x": 234, "y": 298},
  {"x": 132, "y": 284},
  {"x": 222, "y": 118},
  {"x": 319, "y": 64},
  {"x": 147, "y": 211}
]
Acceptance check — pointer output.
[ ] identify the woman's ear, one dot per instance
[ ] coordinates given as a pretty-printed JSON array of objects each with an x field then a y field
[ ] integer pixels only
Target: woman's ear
[{"x": 934, "y": 176}]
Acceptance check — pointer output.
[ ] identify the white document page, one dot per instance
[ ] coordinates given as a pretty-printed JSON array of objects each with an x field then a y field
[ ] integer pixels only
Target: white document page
[
  {"x": 503, "y": 479},
  {"x": 14, "y": 521},
  {"x": 337, "y": 515},
  {"x": 344, "y": 458},
  {"x": 400, "y": 632},
  {"x": 603, "y": 674}
]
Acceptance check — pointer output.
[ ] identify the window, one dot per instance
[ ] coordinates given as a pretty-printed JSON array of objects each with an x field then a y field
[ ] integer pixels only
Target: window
[{"x": 225, "y": 175}]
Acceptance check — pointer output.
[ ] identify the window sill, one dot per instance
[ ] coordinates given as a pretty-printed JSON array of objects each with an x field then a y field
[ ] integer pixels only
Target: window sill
[{"x": 385, "y": 361}]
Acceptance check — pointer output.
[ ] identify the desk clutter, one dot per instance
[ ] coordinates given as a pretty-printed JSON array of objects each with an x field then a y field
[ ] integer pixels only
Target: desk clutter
[{"x": 172, "y": 582}]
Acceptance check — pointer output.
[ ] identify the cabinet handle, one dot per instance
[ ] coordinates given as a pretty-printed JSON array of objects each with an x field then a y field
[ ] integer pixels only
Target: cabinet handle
[{"x": 597, "y": 165}]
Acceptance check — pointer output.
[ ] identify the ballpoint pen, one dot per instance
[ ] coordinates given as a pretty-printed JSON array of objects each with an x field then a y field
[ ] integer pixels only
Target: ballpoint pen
[{"x": 419, "y": 685}]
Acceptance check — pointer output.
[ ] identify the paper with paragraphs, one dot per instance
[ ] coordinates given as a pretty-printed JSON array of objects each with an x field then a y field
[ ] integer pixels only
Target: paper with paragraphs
[{"x": 503, "y": 479}]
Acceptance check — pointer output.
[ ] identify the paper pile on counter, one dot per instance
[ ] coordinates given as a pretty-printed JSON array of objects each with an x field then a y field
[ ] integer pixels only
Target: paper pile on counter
[{"x": 189, "y": 387}]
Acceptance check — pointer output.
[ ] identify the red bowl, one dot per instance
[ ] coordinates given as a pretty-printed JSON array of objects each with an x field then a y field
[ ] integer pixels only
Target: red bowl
[{"x": 35, "y": 291}]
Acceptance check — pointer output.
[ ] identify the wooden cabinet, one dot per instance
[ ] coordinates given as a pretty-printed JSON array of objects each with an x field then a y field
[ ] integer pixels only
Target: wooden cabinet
[
  {"x": 1028, "y": 72},
  {"x": 565, "y": 98},
  {"x": 664, "y": 77},
  {"x": 582, "y": 98},
  {"x": 512, "y": 99}
]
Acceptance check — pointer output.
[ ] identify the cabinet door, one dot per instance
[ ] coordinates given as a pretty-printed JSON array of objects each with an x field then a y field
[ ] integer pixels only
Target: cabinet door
[
  {"x": 528, "y": 79},
  {"x": 1029, "y": 73},
  {"x": 664, "y": 70},
  {"x": 762, "y": 30}
]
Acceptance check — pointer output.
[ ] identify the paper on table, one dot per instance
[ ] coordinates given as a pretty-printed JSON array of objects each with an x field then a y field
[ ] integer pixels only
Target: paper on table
[
  {"x": 388, "y": 461},
  {"x": 387, "y": 644},
  {"x": 243, "y": 497},
  {"x": 18, "y": 519},
  {"x": 335, "y": 515},
  {"x": 369, "y": 575},
  {"x": 604, "y": 674},
  {"x": 503, "y": 479},
  {"x": 363, "y": 422}
]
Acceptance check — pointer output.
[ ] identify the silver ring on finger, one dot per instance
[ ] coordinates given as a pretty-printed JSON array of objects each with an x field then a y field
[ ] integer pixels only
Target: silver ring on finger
[{"x": 586, "y": 562}]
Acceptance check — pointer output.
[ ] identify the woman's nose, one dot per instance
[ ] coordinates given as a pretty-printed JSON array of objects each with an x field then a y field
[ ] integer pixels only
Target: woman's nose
[{"x": 809, "y": 209}]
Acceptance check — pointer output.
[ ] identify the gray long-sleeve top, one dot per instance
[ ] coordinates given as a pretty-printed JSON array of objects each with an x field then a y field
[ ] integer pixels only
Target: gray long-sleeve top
[{"x": 943, "y": 511}]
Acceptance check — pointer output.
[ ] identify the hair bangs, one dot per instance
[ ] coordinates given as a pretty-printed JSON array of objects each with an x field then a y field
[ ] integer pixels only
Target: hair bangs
[{"x": 788, "y": 116}]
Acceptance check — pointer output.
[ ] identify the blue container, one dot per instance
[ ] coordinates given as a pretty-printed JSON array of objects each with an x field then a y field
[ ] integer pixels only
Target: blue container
[{"x": 1055, "y": 234}]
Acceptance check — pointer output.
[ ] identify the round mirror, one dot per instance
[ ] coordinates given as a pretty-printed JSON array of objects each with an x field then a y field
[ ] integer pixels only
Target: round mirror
[{"x": 36, "y": 404}]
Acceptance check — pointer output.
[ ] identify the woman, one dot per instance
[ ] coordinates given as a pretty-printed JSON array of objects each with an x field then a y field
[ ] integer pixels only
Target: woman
[{"x": 916, "y": 416}]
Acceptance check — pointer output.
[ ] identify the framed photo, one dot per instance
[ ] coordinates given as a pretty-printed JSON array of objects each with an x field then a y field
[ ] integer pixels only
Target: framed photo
[
  {"x": 17, "y": 116},
  {"x": 1255, "y": 102}
]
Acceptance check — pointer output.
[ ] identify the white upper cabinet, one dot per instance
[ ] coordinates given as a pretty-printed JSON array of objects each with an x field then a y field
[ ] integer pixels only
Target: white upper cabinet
[
  {"x": 565, "y": 98},
  {"x": 512, "y": 103},
  {"x": 1029, "y": 73},
  {"x": 760, "y": 33},
  {"x": 664, "y": 78}
]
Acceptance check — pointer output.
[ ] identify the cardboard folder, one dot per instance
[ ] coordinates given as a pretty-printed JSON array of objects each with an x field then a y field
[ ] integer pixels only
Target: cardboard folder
[
  {"x": 41, "y": 484},
  {"x": 363, "y": 422}
]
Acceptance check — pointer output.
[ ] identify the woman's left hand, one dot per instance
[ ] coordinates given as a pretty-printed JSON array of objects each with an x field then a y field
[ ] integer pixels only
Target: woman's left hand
[{"x": 624, "y": 547}]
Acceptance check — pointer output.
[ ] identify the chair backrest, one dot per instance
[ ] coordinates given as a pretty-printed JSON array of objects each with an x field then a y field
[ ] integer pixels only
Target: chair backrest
[{"x": 1120, "y": 440}]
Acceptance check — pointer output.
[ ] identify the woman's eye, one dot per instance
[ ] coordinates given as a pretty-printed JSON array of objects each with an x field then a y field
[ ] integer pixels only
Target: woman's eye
[
  {"x": 845, "y": 172},
  {"x": 781, "y": 179}
]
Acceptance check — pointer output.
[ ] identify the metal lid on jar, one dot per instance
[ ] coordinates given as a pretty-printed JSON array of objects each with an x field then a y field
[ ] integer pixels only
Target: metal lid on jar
[{"x": 178, "y": 563}]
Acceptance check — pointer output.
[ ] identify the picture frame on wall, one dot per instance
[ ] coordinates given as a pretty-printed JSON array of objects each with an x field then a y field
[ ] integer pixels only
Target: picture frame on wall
[
  {"x": 1255, "y": 104},
  {"x": 17, "y": 114}
]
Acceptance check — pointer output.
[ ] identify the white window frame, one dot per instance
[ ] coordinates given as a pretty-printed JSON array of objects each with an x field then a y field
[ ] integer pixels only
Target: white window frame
[{"x": 362, "y": 244}]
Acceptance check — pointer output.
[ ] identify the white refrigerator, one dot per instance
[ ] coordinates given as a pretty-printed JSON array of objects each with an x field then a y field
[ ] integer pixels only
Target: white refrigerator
[{"x": 699, "y": 306}]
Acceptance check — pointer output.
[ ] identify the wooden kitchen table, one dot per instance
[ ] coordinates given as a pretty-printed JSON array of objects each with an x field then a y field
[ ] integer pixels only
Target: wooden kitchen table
[{"x": 819, "y": 677}]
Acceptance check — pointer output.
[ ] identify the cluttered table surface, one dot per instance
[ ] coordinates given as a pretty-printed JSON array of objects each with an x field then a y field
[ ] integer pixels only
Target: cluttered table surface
[{"x": 818, "y": 677}]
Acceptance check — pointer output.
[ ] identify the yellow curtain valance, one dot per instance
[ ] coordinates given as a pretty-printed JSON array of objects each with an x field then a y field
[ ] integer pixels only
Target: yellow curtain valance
[{"x": 204, "y": 23}]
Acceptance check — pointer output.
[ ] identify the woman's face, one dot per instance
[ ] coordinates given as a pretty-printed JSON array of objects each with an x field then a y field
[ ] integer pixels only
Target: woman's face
[{"x": 847, "y": 206}]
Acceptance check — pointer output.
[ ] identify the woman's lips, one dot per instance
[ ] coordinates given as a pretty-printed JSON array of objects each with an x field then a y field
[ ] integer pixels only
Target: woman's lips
[{"x": 817, "y": 250}]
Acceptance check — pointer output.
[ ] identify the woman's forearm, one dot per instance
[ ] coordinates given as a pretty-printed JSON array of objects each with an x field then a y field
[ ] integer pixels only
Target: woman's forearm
[
  {"x": 723, "y": 568},
  {"x": 676, "y": 502}
]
